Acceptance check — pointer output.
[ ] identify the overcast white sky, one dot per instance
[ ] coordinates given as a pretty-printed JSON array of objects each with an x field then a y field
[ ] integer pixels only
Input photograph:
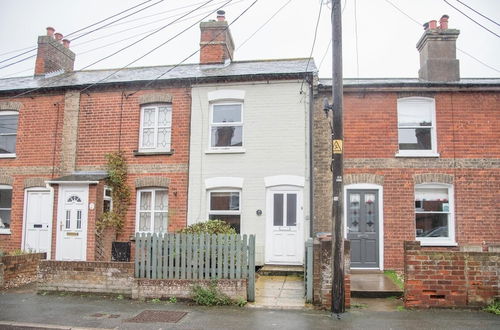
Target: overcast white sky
[{"x": 386, "y": 38}]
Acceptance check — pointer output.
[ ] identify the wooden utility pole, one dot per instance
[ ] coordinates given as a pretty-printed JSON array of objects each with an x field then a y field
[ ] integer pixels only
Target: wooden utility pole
[{"x": 338, "y": 296}]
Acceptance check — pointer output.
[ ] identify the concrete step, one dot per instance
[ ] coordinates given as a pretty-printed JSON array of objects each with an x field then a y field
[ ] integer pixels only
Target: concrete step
[
  {"x": 373, "y": 285},
  {"x": 281, "y": 270}
]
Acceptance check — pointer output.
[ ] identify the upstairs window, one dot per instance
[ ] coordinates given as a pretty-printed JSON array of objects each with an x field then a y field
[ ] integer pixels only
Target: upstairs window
[
  {"x": 5, "y": 208},
  {"x": 226, "y": 125},
  {"x": 434, "y": 214},
  {"x": 416, "y": 127},
  {"x": 156, "y": 127},
  {"x": 8, "y": 133}
]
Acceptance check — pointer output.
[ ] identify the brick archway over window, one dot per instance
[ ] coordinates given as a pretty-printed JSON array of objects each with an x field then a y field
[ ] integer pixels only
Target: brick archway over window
[
  {"x": 34, "y": 182},
  {"x": 433, "y": 178},
  {"x": 155, "y": 98},
  {"x": 363, "y": 178},
  {"x": 16, "y": 106},
  {"x": 152, "y": 181},
  {"x": 6, "y": 179}
]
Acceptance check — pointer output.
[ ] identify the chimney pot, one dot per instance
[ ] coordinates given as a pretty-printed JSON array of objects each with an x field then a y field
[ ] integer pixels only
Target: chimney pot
[
  {"x": 443, "y": 22},
  {"x": 58, "y": 36},
  {"x": 426, "y": 26},
  {"x": 221, "y": 15},
  {"x": 66, "y": 43},
  {"x": 432, "y": 24},
  {"x": 50, "y": 31}
]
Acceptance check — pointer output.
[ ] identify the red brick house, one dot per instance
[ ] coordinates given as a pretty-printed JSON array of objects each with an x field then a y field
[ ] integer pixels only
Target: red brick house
[
  {"x": 57, "y": 126},
  {"x": 421, "y": 159}
]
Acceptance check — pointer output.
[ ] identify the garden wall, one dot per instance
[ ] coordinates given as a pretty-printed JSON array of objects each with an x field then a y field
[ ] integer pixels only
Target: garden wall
[
  {"x": 322, "y": 278},
  {"x": 118, "y": 278},
  {"x": 18, "y": 270},
  {"x": 450, "y": 278}
]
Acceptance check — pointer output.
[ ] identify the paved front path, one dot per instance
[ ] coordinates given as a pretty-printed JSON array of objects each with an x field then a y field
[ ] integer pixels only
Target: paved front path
[{"x": 97, "y": 312}]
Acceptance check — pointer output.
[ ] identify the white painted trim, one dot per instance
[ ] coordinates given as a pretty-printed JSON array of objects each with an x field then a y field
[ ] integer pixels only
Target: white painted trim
[
  {"x": 156, "y": 106},
  {"x": 420, "y": 153},
  {"x": 439, "y": 241},
  {"x": 226, "y": 150},
  {"x": 224, "y": 212},
  {"x": 6, "y": 231},
  {"x": 61, "y": 213},
  {"x": 380, "y": 189},
  {"x": 7, "y": 155},
  {"x": 153, "y": 209},
  {"x": 270, "y": 191},
  {"x": 224, "y": 182},
  {"x": 284, "y": 180},
  {"x": 226, "y": 94},
  {"x": 241, "y": 124},
  {"x": 51, "y": 197}
]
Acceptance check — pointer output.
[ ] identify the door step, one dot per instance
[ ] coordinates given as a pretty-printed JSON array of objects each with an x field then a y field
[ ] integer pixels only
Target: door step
[
  {"x": 373, "y": 285},
  {"x": 281, "y": 270}
]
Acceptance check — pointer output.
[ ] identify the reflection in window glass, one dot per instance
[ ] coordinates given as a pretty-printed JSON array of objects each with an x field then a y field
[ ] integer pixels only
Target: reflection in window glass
[
  {"x": 432, "y": 212},
  {"x": 226, "y": 128},
  {"x": 415, "y": 124},
  {"x": 8, "y": 133},
  {"x": 5, "y": 206},
  {"x": 225, "y": 206},
  {"x": 278, "y": 210}
]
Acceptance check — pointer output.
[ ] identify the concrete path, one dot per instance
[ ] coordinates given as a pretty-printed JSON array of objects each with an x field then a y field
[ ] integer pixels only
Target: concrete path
[
  {"x": 89, "y": 311},
  {"x": 279, "y": 292}
]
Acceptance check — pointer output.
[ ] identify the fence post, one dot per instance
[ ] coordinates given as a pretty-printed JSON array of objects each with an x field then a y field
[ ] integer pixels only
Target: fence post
[
  {"x": 251, "y": 269},
  {"x": 137, "y": 254},
  {"x": 309, "y": 270},
  {"x": 153, "y": 255}
]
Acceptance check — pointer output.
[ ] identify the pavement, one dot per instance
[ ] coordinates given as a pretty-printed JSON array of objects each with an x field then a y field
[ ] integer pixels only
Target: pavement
[
  {"x": 279, "y": 292},
  {"x": 24, "y": 309}
]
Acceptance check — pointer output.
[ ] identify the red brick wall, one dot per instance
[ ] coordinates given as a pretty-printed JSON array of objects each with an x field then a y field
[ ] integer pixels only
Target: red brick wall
[
  {"x": 322, "y": 273},
  {"x": 18, "y": 270},
  {"x": 38, "y": 152},
  {"x": 467, "y": 134},
  {"x": 449, "y": 279}
]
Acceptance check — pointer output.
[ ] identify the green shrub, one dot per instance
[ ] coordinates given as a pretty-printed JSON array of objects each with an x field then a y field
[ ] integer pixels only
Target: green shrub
[
  {"x": 17, "y": 252},
  {"x": 210, "y": 296},
  {"x": 494, "y": 308},
  {"x": 209, "y": 227}
]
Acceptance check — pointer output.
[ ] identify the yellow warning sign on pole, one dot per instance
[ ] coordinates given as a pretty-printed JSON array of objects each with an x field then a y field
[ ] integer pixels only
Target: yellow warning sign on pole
[{"x": 337, "y": 146}]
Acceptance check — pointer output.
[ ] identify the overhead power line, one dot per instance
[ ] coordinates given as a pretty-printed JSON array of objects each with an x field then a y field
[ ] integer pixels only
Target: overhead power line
[
  {"x": 33, "y": 49},
  {"x": 197, "y": 50},
  {"x": 147, "y": 36},
  {"x": 484, "y": 16},
  {"x": 312, "y": 47},
  {"x": 461, "y": 12},
  {"x": 463, "y": 51},
  {"x": 330, "y": 42},
  {"x": 265, "y": 23}
]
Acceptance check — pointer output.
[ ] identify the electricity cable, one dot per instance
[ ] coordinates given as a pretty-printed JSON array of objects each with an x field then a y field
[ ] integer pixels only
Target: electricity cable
[
  {"x": 312, "y": 48},
  {"x": 461, "y": 12}
]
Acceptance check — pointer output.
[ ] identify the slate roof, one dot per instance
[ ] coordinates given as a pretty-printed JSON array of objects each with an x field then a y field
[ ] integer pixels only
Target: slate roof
[
  {"x": 233, "y": 70},
  {"x": 399, "y": 82}
]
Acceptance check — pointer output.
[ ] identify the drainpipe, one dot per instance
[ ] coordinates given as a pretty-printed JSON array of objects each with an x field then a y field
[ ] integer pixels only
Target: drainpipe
[{"x": 311, "y": 153}]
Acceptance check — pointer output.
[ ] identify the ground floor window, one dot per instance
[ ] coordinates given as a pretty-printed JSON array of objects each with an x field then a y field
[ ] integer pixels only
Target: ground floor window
[
  {"x": 225, "y": 206},
  {"x": 152, "y": 210},
  {"x": 5, "y": 208},
  {"x": 434, "y": 213}
]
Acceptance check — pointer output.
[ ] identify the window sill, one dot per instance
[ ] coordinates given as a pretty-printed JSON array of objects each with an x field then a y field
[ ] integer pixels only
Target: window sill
[
  {"x": 153, "y": 153},
  {"x": 7, "y": 155},
  {"x": 5, "y": 232},
  {"x": 437, "y": 243},
  {"x": 226, "y": 151},
  {"x": 417, "y": 155}
]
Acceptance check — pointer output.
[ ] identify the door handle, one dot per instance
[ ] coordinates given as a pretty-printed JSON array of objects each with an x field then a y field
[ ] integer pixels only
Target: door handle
[{"x": 60, "y": 225}]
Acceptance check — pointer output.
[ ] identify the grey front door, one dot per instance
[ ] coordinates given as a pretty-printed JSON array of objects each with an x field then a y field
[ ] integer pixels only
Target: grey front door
[{"x": 363, "y": 227}]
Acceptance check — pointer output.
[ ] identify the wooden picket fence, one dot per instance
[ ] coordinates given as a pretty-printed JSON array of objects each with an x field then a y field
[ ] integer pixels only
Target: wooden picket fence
[{"x": 196, "y": 257}]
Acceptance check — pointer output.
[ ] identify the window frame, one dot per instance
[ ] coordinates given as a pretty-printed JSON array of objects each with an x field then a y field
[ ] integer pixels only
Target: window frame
[
  {"x": 431, "y": 103},
  {"x": 240, "y": 124},
  {"x": 223, "y": 212},
  {"x": 153, "y": 191},
  {"x": 10, "y": 113},
  {"x": 106, "y": 198},
  {"x": 155, "y": 149},
  {"x": 6, "y": 231},
  {"x": 437, "y": 241}
]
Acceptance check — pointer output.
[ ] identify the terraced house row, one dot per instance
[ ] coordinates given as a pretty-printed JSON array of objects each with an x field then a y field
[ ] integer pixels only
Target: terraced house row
[{"x": 247, "y": 142}]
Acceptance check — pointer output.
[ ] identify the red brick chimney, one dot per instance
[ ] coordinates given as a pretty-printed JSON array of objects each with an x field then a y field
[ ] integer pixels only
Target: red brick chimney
[
  {"x": 216, "y": 43},
  {"x": 53, "y": 54},
  {"x": 438, "y": 52}
]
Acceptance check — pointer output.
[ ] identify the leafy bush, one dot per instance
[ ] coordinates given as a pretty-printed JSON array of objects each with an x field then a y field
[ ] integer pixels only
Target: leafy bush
[
  {"x": 209, "y": 227},
  {"x": 210, "y": 296},
  {"x": 494, "y": 308},
  {"x": 18, "y": 252}
]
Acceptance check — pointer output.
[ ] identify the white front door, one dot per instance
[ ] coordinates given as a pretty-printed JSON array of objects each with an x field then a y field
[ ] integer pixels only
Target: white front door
[
  {"x": 284, "y": 230},
  {"x": 37, "y": 225},
  {"x": 72, "y": 223}
]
